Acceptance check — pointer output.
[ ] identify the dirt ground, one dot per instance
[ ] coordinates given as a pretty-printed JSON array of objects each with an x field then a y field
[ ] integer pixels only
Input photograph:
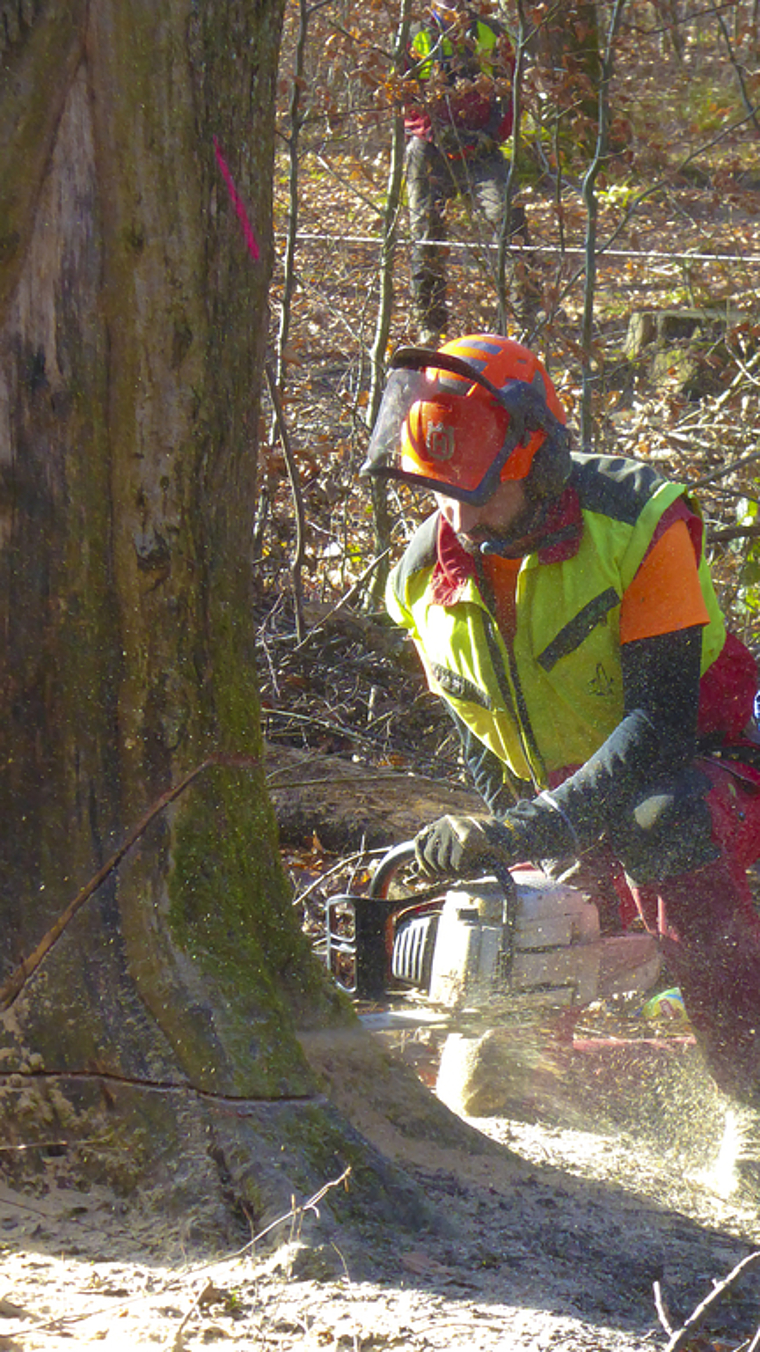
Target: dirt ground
[
  {"x": 553, "y": 1237},
  {"x": 579, "y": 1201}
]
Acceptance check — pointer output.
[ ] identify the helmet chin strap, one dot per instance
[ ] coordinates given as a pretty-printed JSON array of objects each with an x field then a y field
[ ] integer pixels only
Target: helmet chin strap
[{"x": 523, "y": 535}]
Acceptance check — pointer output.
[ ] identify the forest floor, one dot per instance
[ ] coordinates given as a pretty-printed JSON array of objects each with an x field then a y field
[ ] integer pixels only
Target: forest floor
[{"x": 569, "y": 1246}]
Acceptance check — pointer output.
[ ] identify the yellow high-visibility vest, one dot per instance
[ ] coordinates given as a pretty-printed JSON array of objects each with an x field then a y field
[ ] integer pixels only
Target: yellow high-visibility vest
[{"x": 550, "y": 698}]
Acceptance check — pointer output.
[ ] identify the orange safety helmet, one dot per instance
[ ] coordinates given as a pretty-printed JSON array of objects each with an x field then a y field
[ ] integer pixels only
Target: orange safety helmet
[{"x": 462, "y": 420}]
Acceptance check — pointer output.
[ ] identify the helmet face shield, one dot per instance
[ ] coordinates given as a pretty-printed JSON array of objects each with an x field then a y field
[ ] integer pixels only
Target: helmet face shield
[
  {"x": 434, "y": 439},
  {"x": 402, "y": 390},
  {"x": 444, "y": 427}
]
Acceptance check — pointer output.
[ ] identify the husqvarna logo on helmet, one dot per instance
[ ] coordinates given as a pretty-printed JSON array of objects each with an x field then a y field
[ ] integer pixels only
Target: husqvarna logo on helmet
[{"x": 440, "y": 441}]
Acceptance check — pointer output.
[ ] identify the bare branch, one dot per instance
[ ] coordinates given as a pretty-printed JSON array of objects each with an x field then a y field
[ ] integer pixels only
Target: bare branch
[
  {"x": 680, "y": 1336},
  {"x": 300, "y": 516}
]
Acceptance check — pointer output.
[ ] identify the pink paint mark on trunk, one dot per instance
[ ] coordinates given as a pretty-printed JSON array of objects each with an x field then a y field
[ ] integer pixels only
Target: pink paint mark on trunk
[{"x": 250, "y": 238}]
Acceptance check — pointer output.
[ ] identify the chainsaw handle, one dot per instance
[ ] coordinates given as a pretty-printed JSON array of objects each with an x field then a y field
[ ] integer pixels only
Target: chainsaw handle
[
  {"x": 404, "y": 853},
  {"x": 389, "y": 866},
  {"x": 375, "y": 916}
]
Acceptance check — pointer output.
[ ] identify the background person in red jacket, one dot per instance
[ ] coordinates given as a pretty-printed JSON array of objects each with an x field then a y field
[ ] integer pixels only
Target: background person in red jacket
[
  {"x": 563, "y": 608},
  {"x": 461, "y": 65}
]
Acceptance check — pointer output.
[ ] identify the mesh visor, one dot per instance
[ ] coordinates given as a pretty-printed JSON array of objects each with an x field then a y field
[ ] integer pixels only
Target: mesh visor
[
  {"x": 403, "y": 389},
  {"x": 448, "y": 432}
]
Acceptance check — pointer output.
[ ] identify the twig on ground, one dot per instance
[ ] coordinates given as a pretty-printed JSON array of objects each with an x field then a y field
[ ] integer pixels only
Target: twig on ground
[
  {"x": 295, "y": 1212},
  {"x": 679, "y": 1337},
  {"x": 178, "y": 1341},
  {"x": 754, "y": 1342},
  {"x": 660, "y": 1305}
]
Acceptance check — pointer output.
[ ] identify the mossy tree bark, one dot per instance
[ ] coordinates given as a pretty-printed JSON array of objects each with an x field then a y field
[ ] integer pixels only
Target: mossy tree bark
[{"x": 161, "y": 1028}]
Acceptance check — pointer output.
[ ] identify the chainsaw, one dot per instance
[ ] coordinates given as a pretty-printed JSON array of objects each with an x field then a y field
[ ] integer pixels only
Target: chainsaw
[
  {"x": 466, "y": 945},
  {"x": 514, "y": 994}
]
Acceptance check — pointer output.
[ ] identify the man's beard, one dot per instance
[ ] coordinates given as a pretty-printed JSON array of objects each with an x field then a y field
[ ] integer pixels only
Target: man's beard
[{"x": 522, "y": 537}]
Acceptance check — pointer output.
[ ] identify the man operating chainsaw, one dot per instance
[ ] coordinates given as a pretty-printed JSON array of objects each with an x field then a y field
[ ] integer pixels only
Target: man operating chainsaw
[{"x": 562, "y": 607}]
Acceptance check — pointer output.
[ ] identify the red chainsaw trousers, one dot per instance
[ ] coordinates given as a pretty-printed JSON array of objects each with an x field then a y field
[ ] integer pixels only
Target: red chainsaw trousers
[{"x": 709, "y": 933}]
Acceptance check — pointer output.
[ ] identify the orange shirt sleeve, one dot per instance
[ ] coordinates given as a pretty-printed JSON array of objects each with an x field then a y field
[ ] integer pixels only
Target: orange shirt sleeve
[{"x": 665, "y": 595}]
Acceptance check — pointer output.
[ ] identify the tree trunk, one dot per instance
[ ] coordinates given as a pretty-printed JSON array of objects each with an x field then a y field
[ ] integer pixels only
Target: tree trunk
[
  {"x": 158, "y": 1038},
  {"x": 567, "y": 51}
]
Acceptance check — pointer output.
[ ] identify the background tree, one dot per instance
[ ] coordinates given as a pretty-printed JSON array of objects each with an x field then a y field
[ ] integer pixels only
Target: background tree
[
  {"x": 568, "y": 58},
  {"x": 158, "y": 1036}
]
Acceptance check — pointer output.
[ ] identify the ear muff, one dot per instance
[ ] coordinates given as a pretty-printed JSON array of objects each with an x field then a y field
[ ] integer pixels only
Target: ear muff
[{"x": 551, "y": 466}]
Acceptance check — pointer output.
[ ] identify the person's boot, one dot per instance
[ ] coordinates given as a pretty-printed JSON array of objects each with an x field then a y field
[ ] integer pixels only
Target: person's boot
[{"x": 429, "y": 309}]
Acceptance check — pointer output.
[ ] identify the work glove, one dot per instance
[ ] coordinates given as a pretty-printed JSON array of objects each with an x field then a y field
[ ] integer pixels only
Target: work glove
[
  {"x": 463, "y": 846},
  {"x": 454, "y": 847}
]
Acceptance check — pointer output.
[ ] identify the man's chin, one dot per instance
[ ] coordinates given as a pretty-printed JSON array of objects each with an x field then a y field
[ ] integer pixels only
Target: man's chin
[
  {"x": 485, "y": 544},
  {"x": 523, "y": 535}
]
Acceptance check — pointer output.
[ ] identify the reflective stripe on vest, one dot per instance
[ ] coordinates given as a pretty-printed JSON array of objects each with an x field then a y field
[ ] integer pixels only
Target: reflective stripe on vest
[{"x": 552, "y": 698}]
